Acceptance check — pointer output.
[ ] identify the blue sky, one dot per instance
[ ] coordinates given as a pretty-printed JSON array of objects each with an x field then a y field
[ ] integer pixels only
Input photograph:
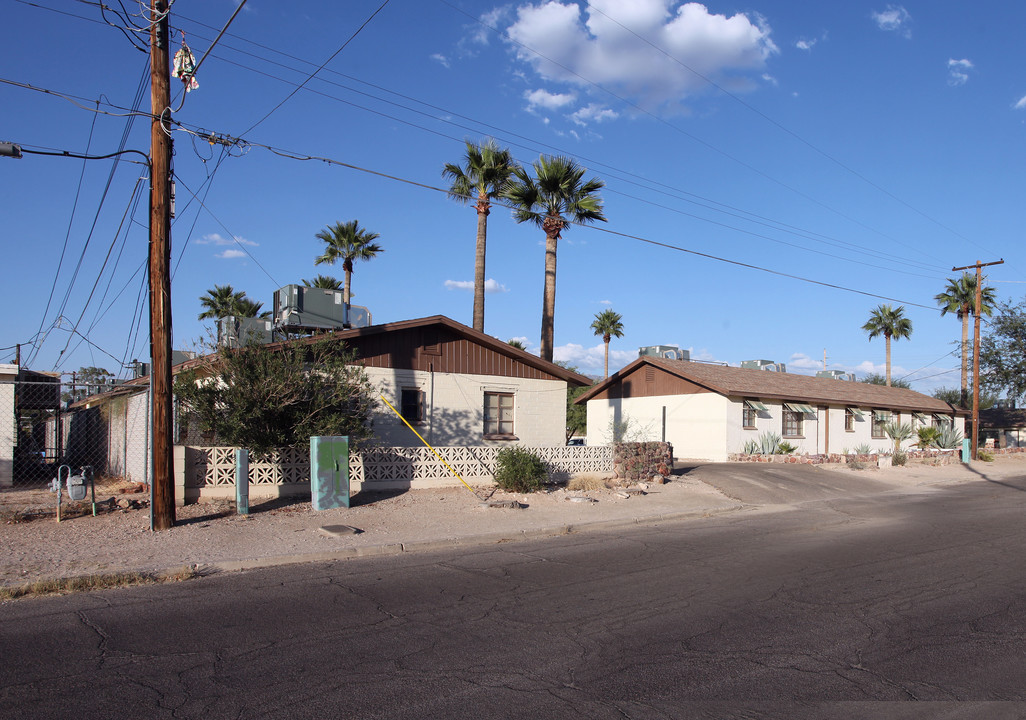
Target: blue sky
[{"x": 864, "y": 145}]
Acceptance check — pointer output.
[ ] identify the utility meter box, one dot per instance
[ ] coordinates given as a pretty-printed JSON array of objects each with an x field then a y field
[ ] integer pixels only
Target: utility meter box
[
  {"x": 329, "y": 472},
  {"x": 77, "y": 487}
]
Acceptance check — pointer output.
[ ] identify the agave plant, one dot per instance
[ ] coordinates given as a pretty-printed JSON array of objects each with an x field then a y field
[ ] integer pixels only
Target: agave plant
[
  {"x": 769, "y": 442},
  {"x": 751, "y": 447},
  {"x": 863, "y": 449},
  {"x": 949, "y": 438}
]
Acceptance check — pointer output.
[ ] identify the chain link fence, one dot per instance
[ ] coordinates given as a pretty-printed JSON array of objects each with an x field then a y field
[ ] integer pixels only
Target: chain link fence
[{"x": 46, "y": 424}]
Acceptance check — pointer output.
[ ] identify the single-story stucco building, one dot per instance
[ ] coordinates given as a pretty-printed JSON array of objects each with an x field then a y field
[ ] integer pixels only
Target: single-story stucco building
[
  {"x": 1005, "y": 426},
  {"x": 709, "y": 411}
]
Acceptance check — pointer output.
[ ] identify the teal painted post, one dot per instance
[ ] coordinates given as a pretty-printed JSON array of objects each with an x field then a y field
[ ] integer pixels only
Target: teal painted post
[
  {"x": 329, "y": 472},
  {"x": 966, "y": 452},
  {"x": 242, "y": 481}
]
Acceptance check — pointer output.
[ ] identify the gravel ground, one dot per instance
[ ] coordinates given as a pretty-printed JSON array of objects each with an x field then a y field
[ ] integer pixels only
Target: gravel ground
[{"x": 210, "y": 536}]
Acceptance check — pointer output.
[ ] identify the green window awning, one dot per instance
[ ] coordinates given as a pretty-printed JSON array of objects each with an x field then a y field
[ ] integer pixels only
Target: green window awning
[
  {"x": 921, "y": 417},
  {"x": 756, "y": 405},
  {"x": 855, "y": 411},
  {"x": 799, "y": 407},
  {"x": 881, "y": 416}
]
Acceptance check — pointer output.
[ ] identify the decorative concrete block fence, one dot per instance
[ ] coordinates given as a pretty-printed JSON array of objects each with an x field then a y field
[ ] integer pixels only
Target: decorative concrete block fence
[{"x": 209, "y": 472}]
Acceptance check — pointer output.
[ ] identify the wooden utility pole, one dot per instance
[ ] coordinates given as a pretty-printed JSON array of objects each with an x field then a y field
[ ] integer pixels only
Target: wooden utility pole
[
  {"x": 163, "y": 507},
  {"x": 975, "y": 447}
]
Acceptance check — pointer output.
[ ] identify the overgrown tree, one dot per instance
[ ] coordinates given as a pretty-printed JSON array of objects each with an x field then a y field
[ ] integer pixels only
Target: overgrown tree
[
  {"x": 1003, "y": 351},
  {"x": 576, "y": 415},
  {"x": 953, "y": 396},
  {"x": 269, "y": 397},
  {"x": 224, "y": 300},
  {"x": 607, "y": 324},
  {"x": 88, "y": 381},
  {"x": 347, "y": 242},
  {"x": 555, "y": 198},
  {"x": 891, "y": 323},
  {"x": 484, "y": 177},
  {"x": 878, "y": 379},
  {"x": 326, "y": 282},
  {"x": 518, "y": 344},
  {"x": 959, "y": 297}
]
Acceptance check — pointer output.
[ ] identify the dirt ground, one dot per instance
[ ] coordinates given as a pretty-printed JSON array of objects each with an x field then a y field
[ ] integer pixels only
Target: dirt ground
[{"x": 211, "y": 536}]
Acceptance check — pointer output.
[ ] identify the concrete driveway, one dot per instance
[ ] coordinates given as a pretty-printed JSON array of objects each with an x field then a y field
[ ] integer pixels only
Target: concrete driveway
[{"x": 773, "y": 484}]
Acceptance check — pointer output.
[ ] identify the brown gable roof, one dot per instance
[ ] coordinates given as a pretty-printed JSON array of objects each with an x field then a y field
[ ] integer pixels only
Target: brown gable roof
[{"x": 743, "y": 382}]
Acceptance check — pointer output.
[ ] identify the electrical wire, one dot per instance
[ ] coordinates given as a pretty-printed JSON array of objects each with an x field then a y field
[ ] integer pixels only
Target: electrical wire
[
  {"x": 790, "y": 132},
  {"x": 311, "y": 75}
]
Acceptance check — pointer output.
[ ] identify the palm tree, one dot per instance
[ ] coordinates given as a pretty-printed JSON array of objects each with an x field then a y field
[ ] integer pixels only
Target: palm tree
[
  {"x": 607, "y": 324},
  {"x": 224, "y": 300},
  {"x": 554, "y": 199},
  {"x": 347, "y": 242},
  {"x": 891, "y": 323},
  {"x": 960, "y": 297},
  {"x": 326, "y": 282},
  {"x": 486, "y": 173}
]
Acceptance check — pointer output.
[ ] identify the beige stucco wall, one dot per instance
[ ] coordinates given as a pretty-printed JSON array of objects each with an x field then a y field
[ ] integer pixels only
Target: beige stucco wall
[
  {"x": 696, "y": 425},
  {"x": 454, "y": 409}
]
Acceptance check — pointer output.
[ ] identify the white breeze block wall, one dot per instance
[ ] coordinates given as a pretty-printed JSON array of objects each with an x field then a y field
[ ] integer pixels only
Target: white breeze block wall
[
  {"x": 8, "y": 432},
  {"x": 454, "y": 409},
  {"x": 696, "y": 425}
]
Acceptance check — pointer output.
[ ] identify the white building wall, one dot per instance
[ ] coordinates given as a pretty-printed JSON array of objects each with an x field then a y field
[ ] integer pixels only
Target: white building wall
[
  {"x": 8, "y": 423},
  {"x": 454, "y": 409},
  {"x": 696, "y": 425}
]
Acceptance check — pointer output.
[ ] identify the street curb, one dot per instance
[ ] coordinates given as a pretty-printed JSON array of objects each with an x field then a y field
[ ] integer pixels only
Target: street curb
[{"x": 425, "y": 546}]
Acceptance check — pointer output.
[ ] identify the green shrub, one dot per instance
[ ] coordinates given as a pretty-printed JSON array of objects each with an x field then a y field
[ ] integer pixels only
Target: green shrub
[
  {"x": 519, "y": 470},
  {"x": 928, "y": 435},
  {"x": 984, "y": 456},
  {"x": 786, "y": 448},
  {"x": 949, "y": 439},
  {"x": 768, "y": 443},
  {"x": 900, "y": 457},
  {"x": 864, "y": 449}
]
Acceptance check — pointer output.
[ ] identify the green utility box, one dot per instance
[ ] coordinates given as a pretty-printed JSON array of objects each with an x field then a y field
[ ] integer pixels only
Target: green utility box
[{"x": 329, "y": 471}]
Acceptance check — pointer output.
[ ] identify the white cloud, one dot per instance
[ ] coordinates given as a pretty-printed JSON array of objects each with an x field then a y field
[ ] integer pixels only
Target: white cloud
[
  {"x": 804, "y": 44},
  {"x": 1021, "y": 105},
  {"x": 605, "y": 302},
  {"x": 563, "y": 44},
  {"x": 440, "y": 59},
  {"x": 216, "y": 239},
  {"x": 592, "y": 113},
  {"x": 491, "y": 285},
  {"x": 958, "y": 71},
  {"x": 230, "y": 254},
  {"x": 491, "y": 19},
  {"x": 592, "y": 359},
  {"x": 894, "y": 19},
  {"x": 801, "y": 361},
  {"x": 547, "y": 100}
]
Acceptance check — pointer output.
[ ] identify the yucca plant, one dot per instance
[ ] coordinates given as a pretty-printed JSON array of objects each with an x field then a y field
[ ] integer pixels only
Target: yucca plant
[
  {"x": 769, "y": 442},
  {"x": 864, "y": 449},
  {"x": 898, "y": 432}
]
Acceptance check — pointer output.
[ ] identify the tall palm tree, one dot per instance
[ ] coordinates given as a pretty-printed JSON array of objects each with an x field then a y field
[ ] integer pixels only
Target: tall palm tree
[
  {"x": 326, "y": 282},
  {"x": 960, "y": 297},
  {"x": 891, "y": 323},
  {"x": 347, "y": 242},
  {"x": 485, "y": 175},
  {"x": 555, "y": 198},
  {"x": 607, "y": 324},
  {"x": 224, "y": 300}
]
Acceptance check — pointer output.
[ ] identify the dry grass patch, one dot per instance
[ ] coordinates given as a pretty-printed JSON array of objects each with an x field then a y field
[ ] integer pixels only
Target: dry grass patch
[
  {"x": 87, "y": 583},
  {"x": 580, "y": 483}
]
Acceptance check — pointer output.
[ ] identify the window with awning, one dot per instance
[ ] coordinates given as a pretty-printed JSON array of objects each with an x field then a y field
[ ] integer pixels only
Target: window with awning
[
  {"x": 756, "y": 405},
  {"x": 800, "y": 408},
  {"x": 855, "y": 412}
]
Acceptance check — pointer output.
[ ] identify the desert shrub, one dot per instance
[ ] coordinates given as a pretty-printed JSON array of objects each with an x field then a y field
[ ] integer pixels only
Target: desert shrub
[
  {"x": 580, "y": 483},
  {"x": 900, "y": 457},
  {"x": 786, "y": 448},
  {"x": 519, "y": 470},
  {"x": 857, "y": 465},
  {"x": 768, "y": 443},
  {"x": 984, "y": 456},
  {"x": 751, "y": 447},
  {"x": 898, "y": 432},
  {"x": 864, "y": 449},
  {"x": 927, "y": 436}
]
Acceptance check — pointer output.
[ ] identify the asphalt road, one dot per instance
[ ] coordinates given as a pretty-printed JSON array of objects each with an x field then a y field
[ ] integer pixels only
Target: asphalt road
[{"x": 843, "y": 608}]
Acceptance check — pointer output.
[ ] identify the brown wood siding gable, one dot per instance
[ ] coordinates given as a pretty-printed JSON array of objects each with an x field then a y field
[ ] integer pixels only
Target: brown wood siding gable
[
  {"x": 649, "y": 381},
  {"x": 440, "y": 350}
]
